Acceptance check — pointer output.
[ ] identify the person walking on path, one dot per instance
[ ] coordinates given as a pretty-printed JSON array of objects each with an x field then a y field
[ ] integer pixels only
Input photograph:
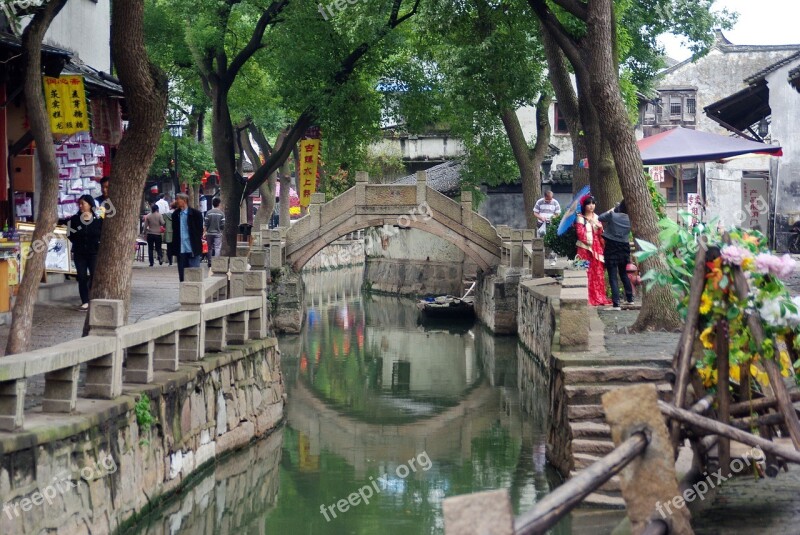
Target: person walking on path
[
  {"x": 546, "y": 209},
  {"x": 618, "y": 251},
  {"x": 84, "y": 230},
  {"x": 168, "y": 230},
  {"x": 590, "y": 247},
  {"x": 163, "y": 204},
  {"x": 187, "y": 234},
  {"x": 214, "y": 225},
  {"x": 154, "y": 225}
]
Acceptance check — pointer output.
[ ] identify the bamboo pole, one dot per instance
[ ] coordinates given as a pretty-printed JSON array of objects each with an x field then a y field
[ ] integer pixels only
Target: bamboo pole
[
  {"x": 563, "y": 499},
  {"x": 682, "y": 360},
  {"x": 723, "y": 383},
  {"x": 713, "y": 426},
  {"x": 771, "y": 367}
]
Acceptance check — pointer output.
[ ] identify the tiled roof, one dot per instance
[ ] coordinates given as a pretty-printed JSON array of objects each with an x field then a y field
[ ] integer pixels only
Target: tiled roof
[
  {"x": 794, "y": 78},
  {"x": 94, "y": 79},
  {"x": 760, "y": 75},
  {"x": 444, "y": 177},
  {"x": 12, "y": 41}
]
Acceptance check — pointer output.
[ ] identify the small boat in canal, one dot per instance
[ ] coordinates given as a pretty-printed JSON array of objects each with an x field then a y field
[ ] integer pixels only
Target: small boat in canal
[{"x": 448, "y": 306}]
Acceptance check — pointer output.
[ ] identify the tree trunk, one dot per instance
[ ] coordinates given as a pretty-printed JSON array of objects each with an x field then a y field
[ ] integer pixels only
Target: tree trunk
[
  {"x": 658, "y": 307},
  {"x": 568, "y": 107},
  {"x": 223, "y": 144},
  {"x": 264, "y": 213},
  {"x": 145, "y": 89},
  {"x": 286, "y": 184},
  {"x": 22, "y": 314},
  {"x": 529, "y": 175}
]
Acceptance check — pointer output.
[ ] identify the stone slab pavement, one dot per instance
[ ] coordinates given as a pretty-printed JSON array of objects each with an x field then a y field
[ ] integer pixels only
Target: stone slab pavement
[{"x": 155, "y": 292}]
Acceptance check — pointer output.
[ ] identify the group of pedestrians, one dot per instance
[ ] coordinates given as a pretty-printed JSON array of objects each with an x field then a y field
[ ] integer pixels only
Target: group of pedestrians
[{"x": 183, "y": 229}]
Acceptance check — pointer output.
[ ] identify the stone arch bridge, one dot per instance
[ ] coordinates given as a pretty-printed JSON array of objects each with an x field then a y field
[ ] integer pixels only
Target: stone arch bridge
[{"x": 409, "y": 206}]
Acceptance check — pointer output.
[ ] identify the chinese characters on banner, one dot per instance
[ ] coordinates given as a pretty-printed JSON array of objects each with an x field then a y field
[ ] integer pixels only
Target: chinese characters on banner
[
  {"x": 307, "y": 179},
  {"x": 695, "y": 205},
  {"x": 657, "y": 173},
  {"x": 755, "y": 204},
  {"x": 66, "y": 104}
]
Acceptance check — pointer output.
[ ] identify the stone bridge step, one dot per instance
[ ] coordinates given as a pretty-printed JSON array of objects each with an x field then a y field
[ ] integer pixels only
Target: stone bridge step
[
  {"x": 593, "y": 412},
  {"x": 590, "y": 430},
  {"x": 592, "y": 447},
  {"x": 625, "y": 374},
  {"x": 654, "y": 361},
  {"x": 611, "y": 486},
  {"x": 589, "y": 394},
  {"x": 604, "y": 501}
]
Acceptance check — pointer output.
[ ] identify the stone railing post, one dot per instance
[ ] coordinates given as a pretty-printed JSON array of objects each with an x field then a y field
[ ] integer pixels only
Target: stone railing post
[
  {"x": 466, "y": 209},
  {"x": 238, "y": 267},
  {"x": 255, "y": 284},
  {"x": 197, "y": 274},
  {"x": 315, "y": 209},
  {"x": 537, "y": 256},
  {"x": 104, "y": 374},
  {"x": 516, "y": 248},
  {"x": 362, "y": 178},
  {"x": 258, "y": 258},
  {"x": 275, "y": 249},
  {"x": 12, "y": 404},
  {"x": 479, "y": 513},
  {"x": 504, "y": 232},
  {"x": 422, "y": 187}
]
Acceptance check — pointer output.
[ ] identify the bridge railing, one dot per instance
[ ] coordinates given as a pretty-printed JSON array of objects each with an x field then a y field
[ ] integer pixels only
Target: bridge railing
[
  {"x": 643, "y": 451},
  {"x": 521, "y": 249},
  {"x": 215, "y": 311}
]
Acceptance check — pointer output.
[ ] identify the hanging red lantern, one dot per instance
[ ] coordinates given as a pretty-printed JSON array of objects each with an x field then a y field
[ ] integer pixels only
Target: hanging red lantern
[{"x": 154, "y": 189}]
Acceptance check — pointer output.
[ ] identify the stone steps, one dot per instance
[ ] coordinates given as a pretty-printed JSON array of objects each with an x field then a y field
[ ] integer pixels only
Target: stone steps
[
  {"x": 592, "y": 447},
  {"x": 604, "y": 501},
  {"x": 591, "y": 412},
  {"x": 590, "y": 430},
  {"x": 612, "y": 485},
  {"x": 618, "y": 374},
  {"x": 592, "y": 394}
]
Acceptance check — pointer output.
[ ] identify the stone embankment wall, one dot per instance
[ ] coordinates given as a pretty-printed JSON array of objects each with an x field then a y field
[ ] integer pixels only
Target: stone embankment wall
[
  {"x": 413, "y": 262},
  {"x": 93, "y": 471},
  {"x": 553, "y": 317},
  {"x": 496, "y": 302}
]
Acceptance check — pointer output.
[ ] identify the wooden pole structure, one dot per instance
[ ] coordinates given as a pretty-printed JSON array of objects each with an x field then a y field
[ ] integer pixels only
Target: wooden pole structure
[
  {"x": 723, "y": 395},
  {"x": 681, "y": 363},
  {"x": 713, "y": 426},
  {"x": 770, "y": 365},
  {"x": 758, "y": 405}
]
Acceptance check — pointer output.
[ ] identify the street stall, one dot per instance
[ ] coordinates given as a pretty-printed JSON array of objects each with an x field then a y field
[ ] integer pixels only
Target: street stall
[{"x": 680, "y": 146}]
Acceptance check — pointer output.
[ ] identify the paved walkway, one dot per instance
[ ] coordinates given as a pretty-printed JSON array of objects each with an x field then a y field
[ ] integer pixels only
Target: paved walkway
[{"x": 155, "y": 292}]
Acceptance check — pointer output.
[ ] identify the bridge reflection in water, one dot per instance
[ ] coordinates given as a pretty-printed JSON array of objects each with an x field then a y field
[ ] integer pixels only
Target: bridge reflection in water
[{"x": 369, "y": 389}]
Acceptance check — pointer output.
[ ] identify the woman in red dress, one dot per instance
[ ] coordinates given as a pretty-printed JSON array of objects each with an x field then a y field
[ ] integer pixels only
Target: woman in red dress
[{"x": 590, "y": 247}]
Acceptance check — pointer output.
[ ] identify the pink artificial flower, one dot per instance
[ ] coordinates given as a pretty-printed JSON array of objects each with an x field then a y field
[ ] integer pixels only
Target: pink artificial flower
[{"x": 734, "y": 255}]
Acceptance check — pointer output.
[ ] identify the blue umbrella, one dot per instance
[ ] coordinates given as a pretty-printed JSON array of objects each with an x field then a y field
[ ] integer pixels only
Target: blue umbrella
[{"x": 571, "y": 212}]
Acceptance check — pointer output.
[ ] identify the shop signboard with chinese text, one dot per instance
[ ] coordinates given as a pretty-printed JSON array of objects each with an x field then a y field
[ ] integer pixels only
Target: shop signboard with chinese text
[
  {"x": 65, "y": 97},
  {"x": 657, "y": 173},
  {"x": 307, "y": 179},
  {"x": 694, "y": 205},
  {"x": 754, "y": 204}
]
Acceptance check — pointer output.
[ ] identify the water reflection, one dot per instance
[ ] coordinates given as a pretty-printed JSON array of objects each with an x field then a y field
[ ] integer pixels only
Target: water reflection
[{"x": 370, "y": 390}]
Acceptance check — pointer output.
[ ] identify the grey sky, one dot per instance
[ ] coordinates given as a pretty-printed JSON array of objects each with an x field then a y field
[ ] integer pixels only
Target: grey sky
[{"x": 761, "y": 22}]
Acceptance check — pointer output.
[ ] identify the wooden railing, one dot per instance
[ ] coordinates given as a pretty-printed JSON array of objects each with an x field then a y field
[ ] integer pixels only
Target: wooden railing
[{"x": 227, "y": 308}]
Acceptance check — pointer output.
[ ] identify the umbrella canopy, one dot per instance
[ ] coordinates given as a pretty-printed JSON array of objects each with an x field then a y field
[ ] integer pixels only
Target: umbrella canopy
[
  {"x": 572, "y": 211},
  {"x": 684, "y": 145}
]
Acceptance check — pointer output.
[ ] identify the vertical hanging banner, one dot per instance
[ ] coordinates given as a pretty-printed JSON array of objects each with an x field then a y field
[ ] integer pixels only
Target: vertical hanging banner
[
  {"x": 66, "y": 104},
  {"x": 307, "y": 175}
]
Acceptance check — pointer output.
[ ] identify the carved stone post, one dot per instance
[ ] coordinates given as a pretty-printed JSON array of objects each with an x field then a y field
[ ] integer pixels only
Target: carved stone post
[
  {"x": 104, "y": 374},
  {"x": 422, "y": 187},
  {"x": 362, "y": 178}
]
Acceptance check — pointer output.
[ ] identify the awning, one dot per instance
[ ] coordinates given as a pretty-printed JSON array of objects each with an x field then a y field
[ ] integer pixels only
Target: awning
[
  {"x": 97, "y": 83},
  {"x": 740, "y": 111},
  {"x": 682, "y": 145}
]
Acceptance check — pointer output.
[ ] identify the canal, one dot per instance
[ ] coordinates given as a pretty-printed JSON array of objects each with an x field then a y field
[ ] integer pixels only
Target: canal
[{"x": 398, "y": 413}]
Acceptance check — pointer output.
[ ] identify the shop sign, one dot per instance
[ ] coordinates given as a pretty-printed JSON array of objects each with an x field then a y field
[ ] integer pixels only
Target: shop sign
[
  {"x": 66, "y": 104},
  {"x": 695, "y": 205},
  {"x": 309, "y": 160}
]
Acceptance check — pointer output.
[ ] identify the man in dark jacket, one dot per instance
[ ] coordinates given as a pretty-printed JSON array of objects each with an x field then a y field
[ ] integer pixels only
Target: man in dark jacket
[{"x": 187, "y": 233}]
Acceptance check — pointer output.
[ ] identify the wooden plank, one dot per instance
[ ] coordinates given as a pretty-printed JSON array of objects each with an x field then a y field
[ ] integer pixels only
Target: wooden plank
[{"x": 723, "y": 394}]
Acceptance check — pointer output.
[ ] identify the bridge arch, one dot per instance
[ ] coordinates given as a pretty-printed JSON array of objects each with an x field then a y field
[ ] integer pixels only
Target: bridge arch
[{"x": 407, "y": 206}]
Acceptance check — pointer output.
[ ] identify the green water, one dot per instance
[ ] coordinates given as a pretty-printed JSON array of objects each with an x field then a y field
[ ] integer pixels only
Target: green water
[{"x": 380, "y": 410}]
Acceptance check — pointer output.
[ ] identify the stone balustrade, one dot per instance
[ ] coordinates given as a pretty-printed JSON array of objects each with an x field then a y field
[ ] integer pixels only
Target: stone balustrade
[{"x": 230, "y": 307}]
